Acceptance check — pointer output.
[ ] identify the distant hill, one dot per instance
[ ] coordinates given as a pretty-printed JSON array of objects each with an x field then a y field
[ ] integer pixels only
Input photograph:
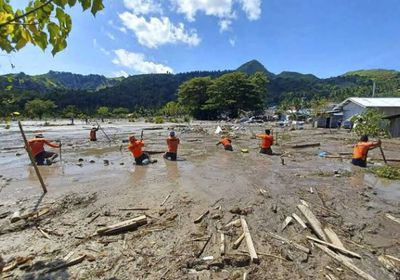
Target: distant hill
[
  {"x": 374, "y": 73},
  {"x": 254, "y": 66},
  {"x": 56, "y": 80}
]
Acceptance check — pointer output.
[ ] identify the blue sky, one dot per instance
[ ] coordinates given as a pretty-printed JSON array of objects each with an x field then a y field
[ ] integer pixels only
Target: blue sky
[{"x": 322, "y": 37}]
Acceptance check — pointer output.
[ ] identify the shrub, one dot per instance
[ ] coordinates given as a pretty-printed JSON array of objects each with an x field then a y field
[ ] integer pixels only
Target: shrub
[
  {"x": 388, "y": 172},
  {"x": 158, "y": 119}
]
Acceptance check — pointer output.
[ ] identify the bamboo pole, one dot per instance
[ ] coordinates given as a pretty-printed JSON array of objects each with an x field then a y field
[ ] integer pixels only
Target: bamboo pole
[{"x": 28, "y": 150}]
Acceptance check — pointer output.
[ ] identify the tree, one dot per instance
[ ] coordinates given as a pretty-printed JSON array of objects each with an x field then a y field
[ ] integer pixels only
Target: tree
[
  {"x": 120, "y": 112},
  {"x": 71, "y": 112},
  {"x": 41, "y": 23},
  {"x": 103, "y": 112},
  {"x": 370, "y": 123},
  {"x": 172, "y": 109},
  {"x": 192, "y": 95},
  {"x": 38, "y": 107}
]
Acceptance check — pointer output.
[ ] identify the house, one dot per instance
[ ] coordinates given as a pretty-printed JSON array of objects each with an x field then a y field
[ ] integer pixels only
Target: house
[
  {"x": 389, "y": 106},
  {"x": 328, "y": 118}
]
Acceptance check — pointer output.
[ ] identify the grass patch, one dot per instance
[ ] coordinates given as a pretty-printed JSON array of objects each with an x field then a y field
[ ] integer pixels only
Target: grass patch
[{"x": 388, "y": 172}]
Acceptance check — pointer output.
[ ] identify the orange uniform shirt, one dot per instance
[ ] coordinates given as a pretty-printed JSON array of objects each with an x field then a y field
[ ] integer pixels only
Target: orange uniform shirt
[
  {"x": 361, "y": 150},
  {"x": 225, "y": 141},
  {"x": 266, "y": 140},
  {"x": 136, "y": 148},
  {"x": 173, "y": 143},
  {"x": 37, "y": 145}
]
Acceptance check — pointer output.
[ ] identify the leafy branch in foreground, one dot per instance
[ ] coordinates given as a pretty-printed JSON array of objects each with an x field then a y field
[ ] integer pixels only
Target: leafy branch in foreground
[{"x": 41, "y": 23}]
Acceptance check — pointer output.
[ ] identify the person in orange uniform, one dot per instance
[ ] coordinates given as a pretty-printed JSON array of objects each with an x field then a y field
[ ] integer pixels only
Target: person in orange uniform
[
  {"x": 360, "y": 151},
  {"x": 93, "y": 133},
  {"x": 266, "y": 142},
  {"x": 172, "y": 143},
  {"x": 135, "y": 146},
  {"x": 226, "y": 142},
  {"x": 37, "y": 147}
]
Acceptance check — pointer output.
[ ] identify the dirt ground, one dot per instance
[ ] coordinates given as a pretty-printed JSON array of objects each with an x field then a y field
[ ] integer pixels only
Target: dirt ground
[{"x": 85, "y": 194}]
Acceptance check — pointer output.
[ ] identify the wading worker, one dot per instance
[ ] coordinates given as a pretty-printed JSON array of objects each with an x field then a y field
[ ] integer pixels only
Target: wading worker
[
  {"x": 360, "y": 151},
  {"x": 37, "y": 147},
  {"x": 135, "y": 146},
  {"x": 172, "y": 143},
  {"x": 93, "y": 133},
  {"x": 226, "y": 142},
  {"x": 266, "y": 142}
]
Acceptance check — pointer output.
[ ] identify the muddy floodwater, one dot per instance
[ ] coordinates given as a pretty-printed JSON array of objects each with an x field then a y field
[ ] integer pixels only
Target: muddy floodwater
[{"x": 188, "y": 203}]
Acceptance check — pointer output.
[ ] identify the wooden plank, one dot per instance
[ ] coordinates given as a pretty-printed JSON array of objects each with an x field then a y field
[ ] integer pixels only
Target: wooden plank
[
  {"x": 123, "y": 226},
  {"x": 334, "y": 239},
  {"x": 342, "y": 250},
  {"x": 287, "y": 221},
  {"x": 201, "y": 217},
  {"x": 237, "y": 242},
  {"x": 305, "y": 145},
  {"x": 290, "y": 242},
  {"x": 299, "y": 220},
  {"x": 349, "y": 265},
  {"x": 249, "y": 241},
  {"x": 394, "y": 219},
  {"x": 28, "y": 150},
  {"x": 313, "y": 221}
]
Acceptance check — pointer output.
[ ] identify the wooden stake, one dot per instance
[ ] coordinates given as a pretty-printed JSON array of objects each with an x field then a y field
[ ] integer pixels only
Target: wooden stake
[
  {"x": 349, "y": 265},
  {"x": 236, "y": 244},
  {"x": 287, "y": 221},
  {"x": 383, "y": 154},
  {"x": 394, "y": 219},
  {"x": 342, "y": 250},
  {"x": 204, "y": 246},
  {"x": 28, "y": 150},
  {"x": 313, "y": 221},
  {"x": 249, "y": 241},
  {"x": 299, "y": 220},
  {"x": 165, "y": 200}
]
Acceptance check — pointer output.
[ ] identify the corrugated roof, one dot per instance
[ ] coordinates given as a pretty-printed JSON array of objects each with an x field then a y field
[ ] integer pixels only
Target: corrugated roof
[{"x": 373, "y": 102}]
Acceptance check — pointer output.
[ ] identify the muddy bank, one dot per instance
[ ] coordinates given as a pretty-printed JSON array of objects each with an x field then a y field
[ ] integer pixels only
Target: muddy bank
[{"x": 86, "y": 196}]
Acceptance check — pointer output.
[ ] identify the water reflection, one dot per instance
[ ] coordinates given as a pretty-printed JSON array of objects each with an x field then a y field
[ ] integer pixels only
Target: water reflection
[
  {"x": 172, "y": 170},
  {"x": 139, "y": 173}
]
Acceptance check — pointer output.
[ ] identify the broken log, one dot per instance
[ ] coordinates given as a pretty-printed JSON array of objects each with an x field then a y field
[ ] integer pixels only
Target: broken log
[
  {"x": 313, "y": 221},
  {"x": 238, "y": 241},
  {"x": 123, "y": 226},
  {"x": 347, "y": 264},
  {"x": 397, "y": 220},
  {"x": 305, "y": 145},
  {"x": 287, "y": 221},
  {"x": 249, "y": 241},
  {"x": 337, "y": 248},
  {"x": 201, "y": 217},
  {"x": 290, "y": 242},
  {"x": 299, "y": 220}
]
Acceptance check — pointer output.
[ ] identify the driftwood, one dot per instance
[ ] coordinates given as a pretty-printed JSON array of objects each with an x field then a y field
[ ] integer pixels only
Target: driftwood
[
  {"x": 299, "y": 220},
  {"x": 249, "y": 241},
  {"x": 337, "y": 248},
  {"x": 235, "y": 223},
  {"x": 349, "y": 265},
  {"x": 313, "y": 221},
  {"x": 201, "y": 217},
  {"x": 134, "y": 209},
  {"x": 389, "y": 263},
  {"x": 165, "y": 200},
  {"x": 204, "y": 246},
  {"x": 394, "y": 219},
  {"x": 334, "y": 239},
  {"x": 305, "y": 145},
  {"x": 154, "y": 152},
  {"x": 68, "y": 264},
  {"x": 238, "y": 241},
  {"x": 123, "y": 226},
  {"x": 290, "y": 242},
  {"x": 222, "y": 247},
  {"x": 287, "y": 221},
  {"x": 16, "y": 216}
]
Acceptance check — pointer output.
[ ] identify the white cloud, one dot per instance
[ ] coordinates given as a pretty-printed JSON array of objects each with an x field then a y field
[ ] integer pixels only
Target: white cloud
[
  {"x": 120, "y": 73},
  {"x": 220, "y": 8},
  {"x": 138, "y": 63},
  {"x": 111, "y": 36},
  {"x": 103, "y": 50},
  {"x": 158, "y": 31},
  {"x": 232, "y": 42},
  {"x": 224, "y": 24},
  {"x": 252, "y": 8},
  {"x": 223, "y": 9},
  {"x": 143, "y": 7}
]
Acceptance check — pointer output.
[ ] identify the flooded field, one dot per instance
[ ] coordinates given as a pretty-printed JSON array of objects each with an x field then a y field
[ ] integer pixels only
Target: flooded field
[{"x": 85, "y": 194}]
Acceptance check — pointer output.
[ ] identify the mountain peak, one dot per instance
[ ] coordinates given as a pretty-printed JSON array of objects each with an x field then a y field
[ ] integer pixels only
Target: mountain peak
[{"x": 254, "y": 66}]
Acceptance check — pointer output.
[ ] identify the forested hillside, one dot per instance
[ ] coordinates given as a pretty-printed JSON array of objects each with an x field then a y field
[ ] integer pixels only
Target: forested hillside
[{"x": 87, "y": 93}]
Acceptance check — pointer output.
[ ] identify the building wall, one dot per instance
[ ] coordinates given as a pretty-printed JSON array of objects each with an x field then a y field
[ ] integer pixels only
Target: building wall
[
  {"x": 394, "y": 127},
  {"x": 390, "y": 111},
  {"x": 351, "y": 109}
]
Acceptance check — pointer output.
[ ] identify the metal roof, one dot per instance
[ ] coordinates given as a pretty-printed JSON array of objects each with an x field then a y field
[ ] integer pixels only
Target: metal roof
[{"x": 373, "y": 102}]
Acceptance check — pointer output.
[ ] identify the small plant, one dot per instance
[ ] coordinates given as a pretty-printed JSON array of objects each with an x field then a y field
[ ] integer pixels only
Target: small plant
[
  {"x": 187, "y": 119},
  {"x": 388, "y": 172},
  {"x": 159, "y": 119},
  {"x": 131, "y": 119}
]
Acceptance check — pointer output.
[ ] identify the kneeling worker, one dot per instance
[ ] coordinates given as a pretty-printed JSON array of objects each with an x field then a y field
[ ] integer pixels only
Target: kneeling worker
[
  {"x": 172, "y": 143},
  {"x": 226, "y": 142},
  {"x": 135, "y": 146},
  {"x": 37, "y": 147},
  {"x": 266, "y": 142},
  {"x": 361, "y": 149}
]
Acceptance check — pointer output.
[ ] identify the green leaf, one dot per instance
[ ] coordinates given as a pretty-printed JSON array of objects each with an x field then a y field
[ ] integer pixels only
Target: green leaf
[
  {"x": 85, "y": 4},
  {"x": 71, "y": 3},
  {"x": 97, "y": 6},
  {"x": 40, "y": 39},
  {"x": 21, "y": 43}
]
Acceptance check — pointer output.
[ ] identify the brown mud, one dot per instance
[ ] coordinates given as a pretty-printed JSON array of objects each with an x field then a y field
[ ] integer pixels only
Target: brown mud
[{"x": 84, "y": 196}]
